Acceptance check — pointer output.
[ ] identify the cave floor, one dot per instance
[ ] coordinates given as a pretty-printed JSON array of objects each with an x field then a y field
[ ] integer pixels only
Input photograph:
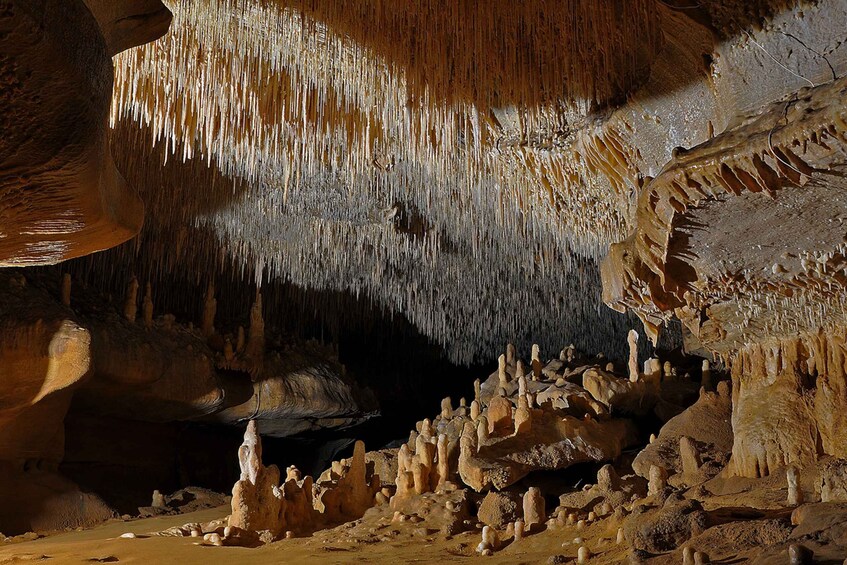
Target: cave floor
[
  {"x": 741, "y": 537},
  {"x": 336, "y": 546}
]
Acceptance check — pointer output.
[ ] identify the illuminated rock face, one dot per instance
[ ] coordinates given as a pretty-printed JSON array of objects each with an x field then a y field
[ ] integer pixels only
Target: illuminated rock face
[
  {"x": 44, "y": 355},
  {"x": 60, "y": 193},
  {"x": 741, "y": 238}
]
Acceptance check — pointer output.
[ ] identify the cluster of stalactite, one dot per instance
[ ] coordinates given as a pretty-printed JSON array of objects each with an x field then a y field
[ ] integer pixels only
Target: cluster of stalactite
[{"x": 451, "y": 174}]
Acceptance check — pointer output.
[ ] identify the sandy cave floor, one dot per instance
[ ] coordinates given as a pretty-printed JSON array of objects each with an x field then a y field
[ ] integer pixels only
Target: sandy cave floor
[
  {"x": 103, "y": 544},
  {"x": 745, "y": 504}
]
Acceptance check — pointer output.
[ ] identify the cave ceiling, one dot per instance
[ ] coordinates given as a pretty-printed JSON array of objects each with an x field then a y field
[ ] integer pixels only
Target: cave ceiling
[{"x": 464, "y": 164}]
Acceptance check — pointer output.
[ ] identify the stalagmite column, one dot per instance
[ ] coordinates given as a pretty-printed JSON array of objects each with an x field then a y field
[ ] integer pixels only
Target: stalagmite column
[
  {"x": 210, "y": 308},
  {"x": 500, "y": 415},
  {"x": 467, "y": 448},
  {"x": 653, "y": 370},
  {"x": 632, "y": 339},
  {"x": 240, "y": 340},
  {"x": 536, "y": 361},
  {"x": 501, "y": 371},
  {"x": 706, "y": 379},
  {"x": 689, "y": 456},
  {"x": 447, "y": 408},
  {"x": 66, "y": 289},
  {"x": 475, "y": 411},
  {"x": 519, "y": 530},
  {"x": 250, "y": 453},
  {"x": 533, "y": 508},
  {"x": 658, "y": 480},
  {"x": 147, "y": 306},
  {"x": 482, "y": 431},
  {"x": 404, "y": 458},
  {"x": 795, "y": 493},
  {"x": 523, "y": 416},
  {"x": 511, "y": 354},
  {"x": 443, "y": 460},
  {"x": 420, "y": 474},
  {"x": 131, "y": 303},
  {"x": 477, "y": 389},
  {"x": 255, "y": 349}
]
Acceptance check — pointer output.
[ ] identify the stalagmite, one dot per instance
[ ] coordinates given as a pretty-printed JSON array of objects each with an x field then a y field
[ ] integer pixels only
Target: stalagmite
[
  {"x": 500, "y": 415},
  {"x": 256, "y": 334},
  {"x": 533, "y": 508},
  {"x": 66, "y": 289},
  {"x": 475, "y": 411},
  {"x": 632, "y": 340},
  {"x": 523, "y": 417},
  {"x": 426, "y": 428},
  {"x": 420, "y": 473},
  {"x": 147, "y": 306},
  {"x": 476, "y": 391},
  {"x": 521, "y": 385},
  {"x": 443, "y": 461},
  {"x": 404, "y": 458},
  {"x": 519, "y": 530},
  {"x": 520, "y": 371},
  {"x": 489, "y": 541},
  {"x": 653, "y": 370},
  {"x": 447, "y": 408},
  {"x": 583, "y": 554},
  {"x": 658, "y": 480},
  {"x": 158, "y": 500},
  {"x": 511, "y": 354},
  {"x": 689, "y": 457},
  {"x": 210, "y": 307},
  {"x": 536, "y": 361},
  {"x": 240, "y": 340},
  {"x": 501, "y": 371},
  {"x": 795, "y": 493},
  {"x": 131, "y": 301},
  {"x": 667, "y": 375},
  {"x": 619, "y": 537},
  {"x": 292, "y": 473},
  {"x": 482, "y": 431},
  {"x": 706, "y": 378}
]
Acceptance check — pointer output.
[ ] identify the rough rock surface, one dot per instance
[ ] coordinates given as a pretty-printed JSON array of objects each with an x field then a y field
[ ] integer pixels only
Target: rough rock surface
[
  {"x": 500, "y": 508},
  {"x": 44, "y": 355},
  {"x": 61, "y": 195},
  {"x": 676, "y": 522},
  {"x": 707, "y": 423},
  {"x": 554, "y": 442}
]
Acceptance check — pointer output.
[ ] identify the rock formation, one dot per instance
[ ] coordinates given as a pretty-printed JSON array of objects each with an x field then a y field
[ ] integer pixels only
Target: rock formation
[{"x": 61, "y": 195}]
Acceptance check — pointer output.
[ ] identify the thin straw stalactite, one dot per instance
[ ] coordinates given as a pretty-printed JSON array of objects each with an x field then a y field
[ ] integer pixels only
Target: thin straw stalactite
[{"x": 407, "y": 151}]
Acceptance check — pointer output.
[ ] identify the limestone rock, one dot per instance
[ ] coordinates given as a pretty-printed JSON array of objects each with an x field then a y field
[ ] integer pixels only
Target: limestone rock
[
  {"x": 707, "y": 423},
  {"x": 60, "y": 191},
  {"x": 500, "y": 508},
  {"x": 553, "y": 443},
  {"x": 620, "y": 395}
]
